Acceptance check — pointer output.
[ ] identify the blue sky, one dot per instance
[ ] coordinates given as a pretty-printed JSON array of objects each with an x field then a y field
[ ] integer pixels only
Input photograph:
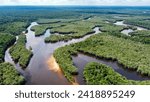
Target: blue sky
[{"x": 77, "y": 2}]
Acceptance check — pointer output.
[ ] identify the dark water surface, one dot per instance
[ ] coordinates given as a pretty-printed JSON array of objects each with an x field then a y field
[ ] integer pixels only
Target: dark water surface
[{"x": 81, "y": 60}]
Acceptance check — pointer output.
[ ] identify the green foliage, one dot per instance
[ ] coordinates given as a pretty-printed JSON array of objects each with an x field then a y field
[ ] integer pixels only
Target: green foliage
[
  {"x": 79, "y": 27},
  {"x": 73, "y": 30},
  {"x": 48, "y": 21},
  {"x": 138, "y": 22},
  {"x": 40, "y": 29},
  {"x": 55, "y": 38},
  {"x": 5, "y": 41},
  {"x": 19, "y": 52},
  {"x": 63, "y": 58},
  {"x": 9, "y": 75},
  {"x": 111, "y": 28},
  {"x": 141, "y": 36},
  {"x": 14, "y": 28},
  {"x": 126, "y": 52},
  {"x": 131, "y": 54},
  {"x": 100, "y": 74}
]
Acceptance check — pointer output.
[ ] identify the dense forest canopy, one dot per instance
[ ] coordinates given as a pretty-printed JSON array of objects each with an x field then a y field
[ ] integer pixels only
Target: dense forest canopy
[{"x": 67, "y": 19}]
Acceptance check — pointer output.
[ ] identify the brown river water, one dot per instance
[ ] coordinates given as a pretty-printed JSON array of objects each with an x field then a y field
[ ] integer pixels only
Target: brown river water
[
  {"x": 38, "y": 71},
  {"x": 43, "y": 69}
]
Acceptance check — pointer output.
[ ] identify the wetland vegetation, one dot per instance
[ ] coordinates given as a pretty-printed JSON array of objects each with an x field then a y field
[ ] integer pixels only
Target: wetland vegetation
[
  {"x": 9, "y": 75},
  {"x": 105, "y": 46},
  {"x": 6, "y": 40},
  {"x": 100, "y": 74},
  {"x": 68, "y": 25},
  {"x": 19, "y": 52}
]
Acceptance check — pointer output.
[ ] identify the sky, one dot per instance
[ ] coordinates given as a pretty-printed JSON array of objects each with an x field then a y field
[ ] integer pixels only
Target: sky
[{"x": 77, "y": 2}]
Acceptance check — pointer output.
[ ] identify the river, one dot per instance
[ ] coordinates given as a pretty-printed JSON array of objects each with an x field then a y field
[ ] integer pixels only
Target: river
[
  {"x": 81, "y": 60},
  {"x": 38, "y": 71},
  {"x": 127, "y": 31}
]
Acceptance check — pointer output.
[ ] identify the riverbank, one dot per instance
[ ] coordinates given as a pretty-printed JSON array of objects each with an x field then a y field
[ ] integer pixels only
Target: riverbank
[
  {"x": 54, "y": 66},
  {"x": 19, "y": 52},
  {"x": 101, "y": 74},
  {"x": 120, "y": 50}
]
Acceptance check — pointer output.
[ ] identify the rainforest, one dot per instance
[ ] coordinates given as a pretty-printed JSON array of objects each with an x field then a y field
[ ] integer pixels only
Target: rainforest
[{"x": 74, "y": 45}]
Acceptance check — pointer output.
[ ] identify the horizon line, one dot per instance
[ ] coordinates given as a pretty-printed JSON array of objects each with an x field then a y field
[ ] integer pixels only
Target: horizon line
[{"x": 82, "y": 5}]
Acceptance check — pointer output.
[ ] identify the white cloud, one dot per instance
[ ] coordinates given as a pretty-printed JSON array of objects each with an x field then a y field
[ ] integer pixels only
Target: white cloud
[{"x": 75, "y": 2}]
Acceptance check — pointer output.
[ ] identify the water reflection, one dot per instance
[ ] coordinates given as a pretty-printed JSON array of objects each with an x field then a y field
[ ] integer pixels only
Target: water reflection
[
  {"x": 38, "y": 71},
  {"x": 81, "y": 60}
]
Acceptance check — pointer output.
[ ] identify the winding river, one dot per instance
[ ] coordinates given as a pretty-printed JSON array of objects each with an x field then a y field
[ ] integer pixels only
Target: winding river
[
  {"x": 81, "y": 60},
  {"x": 121, "y": 23},
  {"x": 127, "y": 31},
  {"x": 38, "y": 71}
]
